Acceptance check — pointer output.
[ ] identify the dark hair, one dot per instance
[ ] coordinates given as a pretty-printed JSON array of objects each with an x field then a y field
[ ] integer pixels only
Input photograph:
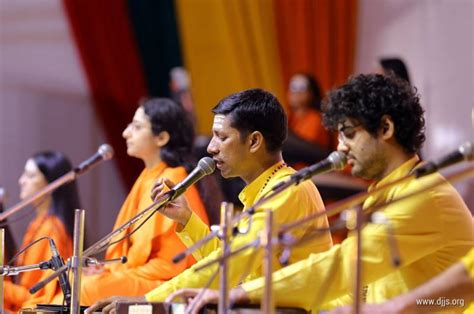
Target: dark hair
[
  {"x": 367, "y": 98},
  {"x": 167, "y": 115},
  {"x": 314, "y": 89},
  {"x": 256, "y": 110},
  {"x": 395, "y": 66},
  {"x": 65, "y": 198}
]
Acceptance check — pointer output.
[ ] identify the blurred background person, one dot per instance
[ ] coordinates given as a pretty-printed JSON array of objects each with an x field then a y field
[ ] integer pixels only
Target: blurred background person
[
  {"x": 161, "y": 135},
  {"x": 54, "y": 219},
  {"x": 394, "y": 66},
  {"x": 308, "y": 141}
]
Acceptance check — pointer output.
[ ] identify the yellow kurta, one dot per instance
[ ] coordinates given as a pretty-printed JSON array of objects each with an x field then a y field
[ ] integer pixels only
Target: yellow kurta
[
  {"x": 433, "y": 230},
  {"x": 150, "y": 250},
  {"x": 293, "y": 204},
  {"x": 468, "y": 262}
]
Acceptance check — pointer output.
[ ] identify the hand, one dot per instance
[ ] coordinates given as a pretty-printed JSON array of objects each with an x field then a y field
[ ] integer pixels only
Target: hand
[
  {"x": 93, "y": 270},
  {"x": 108, "y": 305},
  {"x": 236, "y": 295},
  {"x": 178, "y": 210},
  {"x": 189, "y": 296}
]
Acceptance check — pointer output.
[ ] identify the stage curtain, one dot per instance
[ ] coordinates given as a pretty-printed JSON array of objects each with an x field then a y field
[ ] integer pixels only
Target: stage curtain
[
  {"x": 317, "y": 36},
  {"x": 228, "y": 46},
  {"x": 108, "y": 52}
]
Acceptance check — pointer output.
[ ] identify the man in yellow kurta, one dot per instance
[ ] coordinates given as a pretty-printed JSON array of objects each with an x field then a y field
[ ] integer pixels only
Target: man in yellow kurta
[
  {"x": 450, "y": 291},
  {"x": 380, "y": 124},
  {"x": 248, "y": 132}
]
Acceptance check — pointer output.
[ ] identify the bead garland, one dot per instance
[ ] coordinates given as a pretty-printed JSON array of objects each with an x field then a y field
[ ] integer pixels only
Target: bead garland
[{"x": 271, "y": 176}]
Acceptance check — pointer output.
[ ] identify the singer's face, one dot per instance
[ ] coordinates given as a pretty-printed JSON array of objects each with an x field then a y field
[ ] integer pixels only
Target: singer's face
[
  {"x": 32, "y": 180},
  {"x": 227, "y": 149},
  {"x": 141, "y": 142},
  {"x": 364, "y": 152}
]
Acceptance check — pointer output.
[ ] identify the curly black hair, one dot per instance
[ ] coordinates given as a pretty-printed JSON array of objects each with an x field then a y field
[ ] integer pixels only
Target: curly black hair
[{"x": 368, "y": 97}]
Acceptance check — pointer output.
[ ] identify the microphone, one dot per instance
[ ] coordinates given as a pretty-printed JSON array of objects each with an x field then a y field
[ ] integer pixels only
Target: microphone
[
  {"x": 335, "y": 161},
  {"x": 464, "y": 152},
  {"x": 56, "y": 263},
  {"x": 205, "y": 167},
  {"x": 3, "y": 197},
  {"x": 105, "y": 152}
]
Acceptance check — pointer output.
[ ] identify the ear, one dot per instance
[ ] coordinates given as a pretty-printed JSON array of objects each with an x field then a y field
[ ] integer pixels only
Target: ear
[
  {"x": 255, "y": 140},
  {"x": 387, "y": 128},
  {"x": 162, "y": 138}
]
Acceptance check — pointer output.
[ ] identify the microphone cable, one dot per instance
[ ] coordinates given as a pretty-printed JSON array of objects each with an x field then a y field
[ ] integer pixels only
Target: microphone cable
[{"x": 10, "y": 262}]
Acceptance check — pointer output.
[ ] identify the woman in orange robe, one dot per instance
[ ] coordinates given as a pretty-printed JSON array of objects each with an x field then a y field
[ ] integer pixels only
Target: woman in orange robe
[
  {"x": 54, "y": 219},
  {"x": 305, "y": 121},
  {"x": 162, "y": 136}
]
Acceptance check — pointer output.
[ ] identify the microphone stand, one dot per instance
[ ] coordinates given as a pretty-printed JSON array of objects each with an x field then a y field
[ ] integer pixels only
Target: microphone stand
[
  {"x": 361, "y": 217},
  {"x": 279, "y": 188},
  {"x": 2, "y": 257},
  {"x": 76, "y": 264},
  {"x": 66, "y": 178},
  {"x": 227, "y": 210},
  {"x": 268, "y": 304},
  {"x": 102, "y": 243}
]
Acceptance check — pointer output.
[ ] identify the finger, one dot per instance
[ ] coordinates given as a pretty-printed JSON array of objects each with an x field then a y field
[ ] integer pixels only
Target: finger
[
  {"x": 169, "y": 183},
  {"x": 108, "y": 309},
  {"x": 157, "y": 188},
  {"x": 182, "y": 293},
  {"x": 96, "y": 306}
]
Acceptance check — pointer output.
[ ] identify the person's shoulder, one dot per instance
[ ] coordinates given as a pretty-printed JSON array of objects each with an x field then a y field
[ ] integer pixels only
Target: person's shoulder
[{"x": 174, "y": 173}]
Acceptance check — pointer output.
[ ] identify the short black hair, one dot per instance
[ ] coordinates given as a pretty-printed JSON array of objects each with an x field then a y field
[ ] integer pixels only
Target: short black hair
[
  {"x": 167, "y": 115},
  {"x": 367, "y": 98},
  {"x": 256, "y": 110}
]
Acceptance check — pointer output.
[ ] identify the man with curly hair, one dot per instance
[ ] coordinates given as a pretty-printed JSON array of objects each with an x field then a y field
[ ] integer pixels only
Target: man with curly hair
[{"x": 381, "y": 127}]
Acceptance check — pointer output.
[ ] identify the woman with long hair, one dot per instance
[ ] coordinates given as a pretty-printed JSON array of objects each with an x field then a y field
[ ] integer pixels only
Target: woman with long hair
[
  {"x": 161, "y": 135},
  {"x": 53, "y": 220}
]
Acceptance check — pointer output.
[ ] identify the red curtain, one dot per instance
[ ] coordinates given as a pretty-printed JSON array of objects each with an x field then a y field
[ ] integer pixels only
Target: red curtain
[
  {"x": 107, "y": 48},
  {"x": 318, "y": 37}
]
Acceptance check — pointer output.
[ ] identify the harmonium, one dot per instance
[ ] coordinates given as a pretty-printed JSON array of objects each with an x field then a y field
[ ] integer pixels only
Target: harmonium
[
  {"x": 178, "y": 308},
  {"x": 161, "y": 308}
]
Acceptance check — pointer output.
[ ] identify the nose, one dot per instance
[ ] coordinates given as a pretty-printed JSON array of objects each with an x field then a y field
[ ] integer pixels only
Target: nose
[
  {"x": 126, "y": 132},
  {"x": 21, "y": 180},
  {"x": 342, "y": 146},
  {"x": 212, "y": 147}
]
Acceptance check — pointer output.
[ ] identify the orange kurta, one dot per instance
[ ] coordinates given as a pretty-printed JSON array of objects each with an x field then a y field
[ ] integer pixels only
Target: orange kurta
[
  {"x": 44, "y": 225},
  {"x": 150, "y": 250},
  {"x": 309, "y": 127}
]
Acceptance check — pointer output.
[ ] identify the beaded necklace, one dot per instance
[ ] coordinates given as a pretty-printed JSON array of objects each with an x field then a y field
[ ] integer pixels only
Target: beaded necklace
[{"x": 271, "y": 176}]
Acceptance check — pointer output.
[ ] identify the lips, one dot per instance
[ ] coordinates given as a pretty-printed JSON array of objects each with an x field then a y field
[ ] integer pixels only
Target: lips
[{"x": 219, "y": 163}]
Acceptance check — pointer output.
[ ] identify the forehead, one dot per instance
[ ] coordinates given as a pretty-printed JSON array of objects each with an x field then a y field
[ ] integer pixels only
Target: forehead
[
  {"x": 141, "y": 116},
  {"x": 31, "y": 166},
  {"x": 222, "y": 123},
  {"x": 347, "y": 122},
  {"x": 299, "y": 82}
]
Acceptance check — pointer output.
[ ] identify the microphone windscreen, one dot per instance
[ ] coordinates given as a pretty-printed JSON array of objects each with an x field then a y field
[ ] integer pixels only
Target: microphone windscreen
[
  {"x": 338, "y": 160},
  {"x": 106, "y": 151},
  {"x": 207, "y": 164}
]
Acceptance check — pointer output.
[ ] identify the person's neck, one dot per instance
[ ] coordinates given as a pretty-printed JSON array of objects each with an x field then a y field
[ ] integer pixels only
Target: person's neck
[
  {"x": 397, "y": 158},
  {"x": 261, "y": 165},
  {"x": 299, "y": 111},
  {"x": 152, "y": 162},
  {"x": 43, "y": 206}
]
